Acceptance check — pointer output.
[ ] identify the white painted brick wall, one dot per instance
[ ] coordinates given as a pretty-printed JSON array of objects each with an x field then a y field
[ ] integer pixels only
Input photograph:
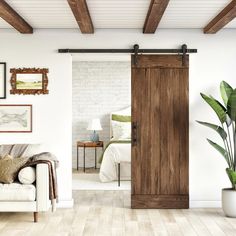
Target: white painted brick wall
[{"x": 99, "y": 88}]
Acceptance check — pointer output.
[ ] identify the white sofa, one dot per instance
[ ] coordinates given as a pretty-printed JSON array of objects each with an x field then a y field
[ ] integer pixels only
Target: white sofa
[{"x": 18, "y": 197}]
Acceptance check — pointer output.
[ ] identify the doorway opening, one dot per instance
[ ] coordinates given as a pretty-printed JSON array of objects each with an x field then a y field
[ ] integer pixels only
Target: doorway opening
[
  {"x": 155, "y": 164},
  {"x": 101, "y": 99}
]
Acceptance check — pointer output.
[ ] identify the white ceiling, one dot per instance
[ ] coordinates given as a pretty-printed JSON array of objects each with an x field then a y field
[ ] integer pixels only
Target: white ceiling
[
  {"x": 191, "y": 13},
  {"x": 117, "y": 13}
]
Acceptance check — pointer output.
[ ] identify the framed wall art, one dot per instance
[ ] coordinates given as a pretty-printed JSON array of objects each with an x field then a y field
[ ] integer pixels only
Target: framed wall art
[
  {"x": 29, "y": 81},
  {"x": 2, "y": 80},
  {"x": 15, "y": 118}
]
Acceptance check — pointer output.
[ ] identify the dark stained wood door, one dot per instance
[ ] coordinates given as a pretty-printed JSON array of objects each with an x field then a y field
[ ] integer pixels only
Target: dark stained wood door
[{"x": 160, "y": 132}]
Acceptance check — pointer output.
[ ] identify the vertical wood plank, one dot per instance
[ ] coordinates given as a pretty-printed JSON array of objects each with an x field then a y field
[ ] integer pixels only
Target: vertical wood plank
[
  {"x": 155, "y": 123},
  {"x": 164, "y": 116},
  {"x": 136, "y": 166},
  {"x": 175, "y": 132},
  {"x": 184, "y": 132},
  {"x": 144, "y": 131}
]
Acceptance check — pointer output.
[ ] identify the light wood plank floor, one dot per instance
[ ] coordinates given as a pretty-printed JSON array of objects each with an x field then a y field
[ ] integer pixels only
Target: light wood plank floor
[{"x": 108, "y": 213}]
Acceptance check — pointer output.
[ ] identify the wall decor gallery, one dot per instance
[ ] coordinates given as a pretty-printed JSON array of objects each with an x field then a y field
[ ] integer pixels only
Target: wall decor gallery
[
  {"x": 15, "y": 118},
  {"x": 2, "y": 80},
  {"x": 29, "y": 81}
]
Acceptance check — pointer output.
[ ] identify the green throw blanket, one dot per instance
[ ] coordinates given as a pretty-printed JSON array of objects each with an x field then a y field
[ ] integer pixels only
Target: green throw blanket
[{"x": 111, "y": 142}]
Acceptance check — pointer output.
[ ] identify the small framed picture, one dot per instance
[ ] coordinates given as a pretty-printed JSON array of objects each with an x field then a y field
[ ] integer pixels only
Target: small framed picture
[
  {"x": 29, "y": 81},
  {"x": 15, "y": 118},
  {"x": 2, "y": 80}
]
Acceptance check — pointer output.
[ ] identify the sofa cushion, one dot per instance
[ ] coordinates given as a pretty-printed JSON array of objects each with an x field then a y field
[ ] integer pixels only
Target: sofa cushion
[
  {"x": 20, "y": 150},
  {"x": 27, "y": 175},
  {"x": 9, "y": 168},
  {"x": 25, "y": 150},
  {"x": 17, "y": 192},
  {"x": 5, "y": 149}
]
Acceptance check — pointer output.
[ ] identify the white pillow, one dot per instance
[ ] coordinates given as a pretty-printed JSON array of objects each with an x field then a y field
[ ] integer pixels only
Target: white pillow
[
  {"x": 121, "y": 130},
  {"x": 27, "y": 175}
]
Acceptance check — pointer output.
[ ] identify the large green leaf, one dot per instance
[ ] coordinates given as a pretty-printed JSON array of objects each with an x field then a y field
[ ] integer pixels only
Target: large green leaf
[
  {"x": 225, "y": 90},
  {"x": 221, "y": 150},
  {"x": 216, "y": 106},
  {"x": 222, "y": 106},
  {"x": 228, "y": 120},
  {"x": 231, "y": 106},
  {"x": 217, "y": 128},
  {"x": 232, "y": 176}
]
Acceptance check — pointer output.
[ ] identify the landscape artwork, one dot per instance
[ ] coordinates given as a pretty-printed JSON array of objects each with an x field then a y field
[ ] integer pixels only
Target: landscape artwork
[
  {"x": 2, "y": 80},
  {"x": 29, "y": 81},
  {"x": 15, "y": 118}
]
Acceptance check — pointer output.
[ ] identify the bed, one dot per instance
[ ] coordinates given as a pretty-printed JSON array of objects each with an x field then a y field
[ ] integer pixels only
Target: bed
[{"x": 116, "y": 159}]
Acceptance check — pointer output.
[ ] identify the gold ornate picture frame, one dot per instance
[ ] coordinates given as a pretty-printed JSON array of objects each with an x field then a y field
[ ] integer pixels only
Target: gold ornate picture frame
[{"x": 29, "y": 81}]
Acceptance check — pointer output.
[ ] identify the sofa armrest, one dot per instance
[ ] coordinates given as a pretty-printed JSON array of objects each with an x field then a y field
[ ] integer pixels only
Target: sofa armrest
[{"x": 42, "y": 187}]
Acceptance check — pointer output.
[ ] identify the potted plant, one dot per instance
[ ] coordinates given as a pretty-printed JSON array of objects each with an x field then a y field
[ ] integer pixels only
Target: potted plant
[{"x": 227, "y": 117}]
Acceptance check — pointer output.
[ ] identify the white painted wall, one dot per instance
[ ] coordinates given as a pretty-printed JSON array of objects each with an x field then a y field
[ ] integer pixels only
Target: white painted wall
[
  {"x": 51, "y": 113},
  {"x": 214, "y": 62}
]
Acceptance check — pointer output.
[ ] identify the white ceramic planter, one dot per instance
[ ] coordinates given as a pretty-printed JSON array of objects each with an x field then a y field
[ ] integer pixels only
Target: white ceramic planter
[{"x": 229, "y": 202}]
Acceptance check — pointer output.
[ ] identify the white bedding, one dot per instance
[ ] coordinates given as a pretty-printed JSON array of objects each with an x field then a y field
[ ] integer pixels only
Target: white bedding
[{"x": 116, "y": 153}]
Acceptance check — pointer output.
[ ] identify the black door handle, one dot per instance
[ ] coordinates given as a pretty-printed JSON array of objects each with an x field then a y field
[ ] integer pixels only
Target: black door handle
[{"x": 134, "y": 133}]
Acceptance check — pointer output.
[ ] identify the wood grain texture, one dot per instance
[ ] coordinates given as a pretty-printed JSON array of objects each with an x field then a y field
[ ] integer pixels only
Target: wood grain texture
[
  {"x": 163, "y": 61},
  {"x": 36, "y": 216},
  {"x": 184, "y": 125},
  {"x": 160, "y": 110},
  {"x": 82, "y": 15},
  {"x": 153, "y": 201},
  {"x": 8, "y": 14},
  {"x": 136, "y": 107},
  {"x": 89, "y": 144},
  {"x": 222, "y": 19},
  {"x": 154, "y": 15}
]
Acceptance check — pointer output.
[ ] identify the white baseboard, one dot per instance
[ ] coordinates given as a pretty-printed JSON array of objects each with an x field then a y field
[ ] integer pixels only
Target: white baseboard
[
  {"x": 193, "y": 204},
  {"x": 205, "y": 204},
  {"x": 65, "y": 203}
]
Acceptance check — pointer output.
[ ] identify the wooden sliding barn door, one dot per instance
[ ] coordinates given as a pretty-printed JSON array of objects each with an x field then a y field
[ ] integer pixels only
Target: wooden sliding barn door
[{"x": 160, "y": 135}]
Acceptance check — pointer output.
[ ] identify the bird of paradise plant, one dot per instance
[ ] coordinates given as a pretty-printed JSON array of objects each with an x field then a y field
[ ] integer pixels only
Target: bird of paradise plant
[{"x": 227, "y": 117}]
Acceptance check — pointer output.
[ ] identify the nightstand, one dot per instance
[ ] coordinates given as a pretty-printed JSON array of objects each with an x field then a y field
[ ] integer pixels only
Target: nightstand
[{"x": 88, "y": 144}]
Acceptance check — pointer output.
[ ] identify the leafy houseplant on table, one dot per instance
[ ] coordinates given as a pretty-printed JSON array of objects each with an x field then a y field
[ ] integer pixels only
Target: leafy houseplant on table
[{"x": 227, "y": 116}]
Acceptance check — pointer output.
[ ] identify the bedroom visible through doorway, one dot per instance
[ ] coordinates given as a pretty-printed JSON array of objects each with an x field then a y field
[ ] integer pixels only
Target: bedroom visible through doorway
[{"x": 101, "y": 106}]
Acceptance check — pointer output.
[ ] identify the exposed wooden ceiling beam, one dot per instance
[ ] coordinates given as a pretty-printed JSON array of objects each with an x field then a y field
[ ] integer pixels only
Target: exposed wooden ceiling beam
[
  {"x": 8, "y": 14},
  {"x": 154, "y": 15},
  {"x": 222, "y": 19},
  {"x": 82, "y": 16}
]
